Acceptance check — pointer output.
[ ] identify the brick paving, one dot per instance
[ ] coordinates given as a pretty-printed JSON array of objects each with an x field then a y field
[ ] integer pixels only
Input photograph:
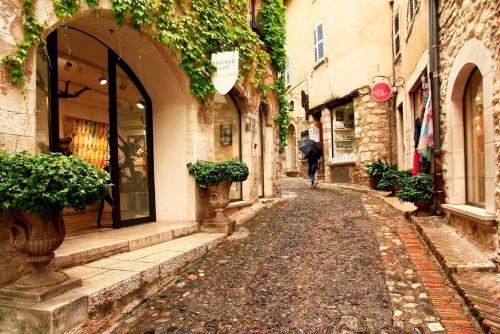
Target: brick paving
[{"x": 317, "y": 265}]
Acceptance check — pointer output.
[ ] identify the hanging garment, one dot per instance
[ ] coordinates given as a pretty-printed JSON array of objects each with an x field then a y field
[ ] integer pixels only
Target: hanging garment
[
  {"x": 416, "y": 163},
  {"x": 426, "y": 141}
]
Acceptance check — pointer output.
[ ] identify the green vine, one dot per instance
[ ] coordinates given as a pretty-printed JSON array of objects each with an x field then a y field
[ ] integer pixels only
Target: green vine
[
  {"x": 14, "y": 63},
  {"x": 195, "y": 29},
  {"x": 272, "y": 18}
]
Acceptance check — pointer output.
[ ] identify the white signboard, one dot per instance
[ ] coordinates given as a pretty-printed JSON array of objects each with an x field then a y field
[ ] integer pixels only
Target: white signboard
[
  {"x": 314, "y": 133},
  {"x": 227, "y": 64},
  {"x": 341, "y": 159}
]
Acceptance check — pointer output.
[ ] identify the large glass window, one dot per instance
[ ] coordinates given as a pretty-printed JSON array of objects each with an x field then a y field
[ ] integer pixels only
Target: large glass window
[
  {"x": 474, "y": 139},
  {"x": 227, "y": 135},
  {"x": 343, "y": 133}
]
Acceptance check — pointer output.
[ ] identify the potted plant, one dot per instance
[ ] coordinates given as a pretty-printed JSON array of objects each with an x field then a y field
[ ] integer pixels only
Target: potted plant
[
  {"x": 389, "y": 179},
  {"x": 216, "y": 178},
  {"x": 35, "y": 189},
  {"x": 375, "y": 171},
  {"x": 417, "y": 189}
]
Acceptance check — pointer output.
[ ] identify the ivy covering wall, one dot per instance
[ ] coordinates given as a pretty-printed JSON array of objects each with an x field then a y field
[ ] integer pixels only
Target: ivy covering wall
[{"x": 195, "y": 29}]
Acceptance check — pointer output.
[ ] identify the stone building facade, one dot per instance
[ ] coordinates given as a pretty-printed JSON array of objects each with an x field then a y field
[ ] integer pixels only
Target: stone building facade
[
  {"x": 329, "y": 68},
  {"x": 469, "y": 52},
  {"x": 184, "y": 130}
]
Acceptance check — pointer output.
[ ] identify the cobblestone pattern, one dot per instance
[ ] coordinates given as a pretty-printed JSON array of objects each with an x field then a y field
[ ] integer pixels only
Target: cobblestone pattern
[{"x": 435, "y": 302}]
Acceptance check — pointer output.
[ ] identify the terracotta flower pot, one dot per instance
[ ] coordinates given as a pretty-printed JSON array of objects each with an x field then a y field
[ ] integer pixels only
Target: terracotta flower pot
[
  {"x": 422, "y": 206},
  {"x": 218, "y": 197},
  {"x": 37, "y": 235}
]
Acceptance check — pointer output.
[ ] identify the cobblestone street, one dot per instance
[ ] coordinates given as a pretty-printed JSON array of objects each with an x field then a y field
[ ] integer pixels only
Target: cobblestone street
[{"x": 329, "y": 261}]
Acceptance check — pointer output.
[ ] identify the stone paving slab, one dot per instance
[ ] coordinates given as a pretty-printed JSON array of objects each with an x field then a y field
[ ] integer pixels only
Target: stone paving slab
[
  {"x": 90, "y": 247},
  {"x": 110, "y": 286},
  {"x": 456, "y": 253}
]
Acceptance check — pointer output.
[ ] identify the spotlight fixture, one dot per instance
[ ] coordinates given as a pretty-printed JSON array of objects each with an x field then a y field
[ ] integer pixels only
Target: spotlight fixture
[
  {"x": 67, "y": 66},
  {"x": 103, "y": 81},
  {"x": 291, "y": 106},
  {"x": 141, "y": 104}
]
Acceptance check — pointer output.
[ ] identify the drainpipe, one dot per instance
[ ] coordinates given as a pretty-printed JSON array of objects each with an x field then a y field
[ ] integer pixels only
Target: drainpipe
[{"x": 434, "y": 76}]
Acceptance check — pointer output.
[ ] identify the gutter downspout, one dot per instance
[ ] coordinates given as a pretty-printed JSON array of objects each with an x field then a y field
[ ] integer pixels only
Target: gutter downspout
[{"x": 434, "y": 76}]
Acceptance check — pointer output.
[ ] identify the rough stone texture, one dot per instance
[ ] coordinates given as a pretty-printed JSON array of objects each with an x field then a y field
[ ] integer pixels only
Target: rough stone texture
[
  {"x": 482, "y": 233},
  {"x": 372, "y": 135},
  {"x": 12, "y": 262},
  {"x": 459, "y": 23}
]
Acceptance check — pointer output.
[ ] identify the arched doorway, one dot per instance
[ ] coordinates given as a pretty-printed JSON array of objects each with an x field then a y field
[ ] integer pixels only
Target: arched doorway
[
  {"x": 99, "y": 111},
  {"x": 227, "y": 136}
]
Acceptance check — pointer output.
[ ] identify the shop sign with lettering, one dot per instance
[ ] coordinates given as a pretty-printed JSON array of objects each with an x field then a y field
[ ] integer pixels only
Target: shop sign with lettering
[
  {"x": 381, "y": 91},
  {"x": 227, "y": 64}
]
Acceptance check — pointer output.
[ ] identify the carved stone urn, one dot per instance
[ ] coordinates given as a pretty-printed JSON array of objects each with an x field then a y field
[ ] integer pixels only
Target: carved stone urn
[
  {"x": 218, "y": 198},
  {"x": 38, "y": 235}
]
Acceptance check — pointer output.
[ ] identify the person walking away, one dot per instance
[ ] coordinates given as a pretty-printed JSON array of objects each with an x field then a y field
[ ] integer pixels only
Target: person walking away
[{"x": 313, "y": 162}]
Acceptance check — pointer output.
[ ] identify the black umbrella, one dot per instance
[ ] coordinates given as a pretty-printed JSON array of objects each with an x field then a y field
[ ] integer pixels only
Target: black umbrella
[{"x": 310, "y": 148}]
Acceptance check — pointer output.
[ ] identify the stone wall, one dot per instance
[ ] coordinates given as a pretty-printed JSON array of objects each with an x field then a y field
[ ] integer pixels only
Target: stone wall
[
  {"x": 372, "y": 133},
  {"x": 482, "y": 233},
  {"x": 458, "y": 24}
]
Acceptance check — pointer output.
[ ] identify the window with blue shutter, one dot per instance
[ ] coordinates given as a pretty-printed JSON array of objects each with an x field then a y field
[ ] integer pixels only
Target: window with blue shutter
[{"x": 319, "y": 43}]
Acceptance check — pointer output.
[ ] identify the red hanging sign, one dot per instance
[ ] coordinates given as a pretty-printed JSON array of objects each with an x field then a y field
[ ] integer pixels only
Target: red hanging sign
[{"x": 381, "y": 91}]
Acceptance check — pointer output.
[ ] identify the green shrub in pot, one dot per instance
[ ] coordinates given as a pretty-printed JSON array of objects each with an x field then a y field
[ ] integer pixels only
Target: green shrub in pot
[
  {"x": 49, "y": 182},
  {"x": 211, "y": 173},
  {"x": 377, "y": 169},
  {"x": 418, "y": 188}
]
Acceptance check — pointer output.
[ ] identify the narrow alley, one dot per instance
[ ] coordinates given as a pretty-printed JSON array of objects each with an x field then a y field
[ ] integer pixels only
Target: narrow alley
[{"x": 330, "y": 261}]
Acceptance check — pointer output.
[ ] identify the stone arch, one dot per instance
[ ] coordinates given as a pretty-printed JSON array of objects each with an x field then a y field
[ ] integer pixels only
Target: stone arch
[
  {"x": 473, "y": 54},
  {"x": 172, "y": 101}
]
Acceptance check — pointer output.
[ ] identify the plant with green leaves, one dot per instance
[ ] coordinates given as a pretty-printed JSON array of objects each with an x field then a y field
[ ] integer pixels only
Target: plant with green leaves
[
  {"x": 48, "y": 183},
  {"x": 417, "y": 188},
  {"x": 377, "y": 169},
  {"x": 389, "y": 179},
  {"x": 212, "y": 173},
  {"x": 195, "y": 29}
]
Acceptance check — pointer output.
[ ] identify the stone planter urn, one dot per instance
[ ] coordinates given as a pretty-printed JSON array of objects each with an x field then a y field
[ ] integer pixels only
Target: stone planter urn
[
  {"x": 38, "y": 235},
  {"x": 218, "y": 198}
]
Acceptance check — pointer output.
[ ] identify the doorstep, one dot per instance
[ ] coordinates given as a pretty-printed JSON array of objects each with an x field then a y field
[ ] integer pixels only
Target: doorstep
[
  {"x": 455, "y": 252},
  {"x": 111, "y": 287},
  {"x": 85, "y": 248},
  {"x": 481, "y": 291}
]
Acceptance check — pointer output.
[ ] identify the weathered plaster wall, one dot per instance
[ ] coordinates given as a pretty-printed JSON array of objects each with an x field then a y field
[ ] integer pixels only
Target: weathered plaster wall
[{"x": 461, "y": 22}]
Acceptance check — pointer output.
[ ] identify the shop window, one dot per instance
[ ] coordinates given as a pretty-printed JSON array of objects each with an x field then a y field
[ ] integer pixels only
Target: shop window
[
  {"x": 343, "y": 133},
  {"x": 319, "y": 44},
  {"x": 474, "y": 140},
  {"x": 42, "y": 102},
  {"x": 227, "y": 135},
  {"x": 288, "y": 79},
  {"x": 397, "y": 43}
]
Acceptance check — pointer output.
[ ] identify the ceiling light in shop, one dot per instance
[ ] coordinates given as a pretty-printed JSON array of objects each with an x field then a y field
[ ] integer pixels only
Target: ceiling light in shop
[
  {"x": 141, "y": 104},
  {"x": 103, "y": 81}
]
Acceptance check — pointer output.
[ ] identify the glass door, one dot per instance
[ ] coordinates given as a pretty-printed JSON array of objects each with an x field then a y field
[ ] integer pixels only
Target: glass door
[{"x": 131, "y": 146}]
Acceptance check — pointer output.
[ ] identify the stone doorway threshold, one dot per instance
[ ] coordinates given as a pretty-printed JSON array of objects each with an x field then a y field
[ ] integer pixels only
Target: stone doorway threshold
[{"x": 146, "y": 259}]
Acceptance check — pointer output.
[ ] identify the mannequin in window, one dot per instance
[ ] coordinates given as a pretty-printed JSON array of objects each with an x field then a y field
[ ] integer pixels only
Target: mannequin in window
[{"x": 64, "y": 146}]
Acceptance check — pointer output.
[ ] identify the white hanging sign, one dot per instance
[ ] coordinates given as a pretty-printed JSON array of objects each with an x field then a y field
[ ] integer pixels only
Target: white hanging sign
[{"x": 227, "y": 64}]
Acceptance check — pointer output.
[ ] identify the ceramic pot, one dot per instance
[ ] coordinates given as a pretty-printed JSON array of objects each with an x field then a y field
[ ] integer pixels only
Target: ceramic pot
[{"x": 38, "y": 235}]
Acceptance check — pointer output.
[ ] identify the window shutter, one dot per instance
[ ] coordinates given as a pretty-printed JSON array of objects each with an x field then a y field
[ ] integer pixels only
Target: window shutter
[
  {"x": 319, "y": 48},
  {"x": 288, "y": 79}
]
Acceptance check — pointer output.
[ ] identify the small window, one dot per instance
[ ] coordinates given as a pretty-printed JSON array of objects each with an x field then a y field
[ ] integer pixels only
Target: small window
[
  {"x": 397, "y": 45},
  {"x": 288, "y": 78},
  {"x": 412, "y": 11},
  {"x": 319, "y": 44}
]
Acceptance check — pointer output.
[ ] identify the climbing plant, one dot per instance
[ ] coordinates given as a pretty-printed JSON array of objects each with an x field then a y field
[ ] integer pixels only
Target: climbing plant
[
  {"x": 195, "y": 29},
  {"x": 272, "y": 19}
]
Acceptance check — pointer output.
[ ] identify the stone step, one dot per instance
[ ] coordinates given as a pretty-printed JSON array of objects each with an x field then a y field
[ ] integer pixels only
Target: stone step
[
  {"x": 481, "y": 291},
  {"x": 111, "y": 287},
  {"x": 90, "y": 247},
  {"x": 456, "y": 253}
]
